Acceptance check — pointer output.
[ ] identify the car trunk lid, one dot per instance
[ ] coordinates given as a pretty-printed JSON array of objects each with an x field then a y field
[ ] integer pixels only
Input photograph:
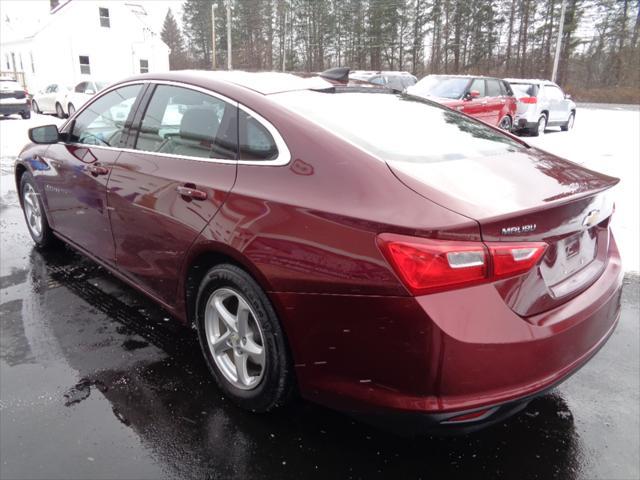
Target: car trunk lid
[{"x": 525, "y": 196}]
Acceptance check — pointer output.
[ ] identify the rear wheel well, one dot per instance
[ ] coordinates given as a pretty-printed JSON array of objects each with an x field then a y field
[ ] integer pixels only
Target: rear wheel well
[
  {"x": 199, "y": 267},
  {"x": 20, "y": 169},
  {"x": 545, "y": 113}
]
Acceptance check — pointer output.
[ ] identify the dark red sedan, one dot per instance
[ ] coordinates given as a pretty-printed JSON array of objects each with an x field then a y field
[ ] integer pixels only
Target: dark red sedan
[
  {"x": 431, "y": 270},
  {"x": 485, "y": 98}
]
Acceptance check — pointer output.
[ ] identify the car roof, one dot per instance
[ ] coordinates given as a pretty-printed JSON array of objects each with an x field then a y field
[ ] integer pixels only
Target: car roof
[
  {"x": 531, "y": 80},
  {"x": 265, "y": 83},
  {"x": 446, "y": 75},
  {"x": 380, "y": 72}
]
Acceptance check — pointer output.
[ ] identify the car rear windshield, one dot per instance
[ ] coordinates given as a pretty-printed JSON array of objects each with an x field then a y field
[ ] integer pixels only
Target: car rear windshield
[
  {"x": 399, "y": 127},
  {"x": 524, "y": 89},
  {"x": 443, "y": 87}
]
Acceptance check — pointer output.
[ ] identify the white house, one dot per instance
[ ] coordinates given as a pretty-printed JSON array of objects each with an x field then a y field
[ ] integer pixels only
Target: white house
[{"x": 104, "y": 40}]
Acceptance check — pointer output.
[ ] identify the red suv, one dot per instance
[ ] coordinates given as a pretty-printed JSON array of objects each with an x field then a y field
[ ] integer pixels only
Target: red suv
[
  {"x": 488, "y": 99},
  {"x": 440, "y": 277}
]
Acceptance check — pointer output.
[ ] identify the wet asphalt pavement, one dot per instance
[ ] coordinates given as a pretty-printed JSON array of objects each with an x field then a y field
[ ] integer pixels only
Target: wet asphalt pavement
[{"x": 98, "y": 382}]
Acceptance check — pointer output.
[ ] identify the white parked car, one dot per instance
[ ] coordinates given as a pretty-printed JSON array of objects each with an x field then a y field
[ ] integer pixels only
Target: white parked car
[
  {"x": 13, "y": 98},
  {"x": 541, "y": 104},
  {"x": 77, "y": 96},
  {"x": 46, "y": 100}
]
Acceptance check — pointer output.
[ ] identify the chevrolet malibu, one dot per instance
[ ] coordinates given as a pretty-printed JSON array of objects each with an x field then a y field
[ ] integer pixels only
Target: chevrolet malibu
[{"x": 433, "y": 273}]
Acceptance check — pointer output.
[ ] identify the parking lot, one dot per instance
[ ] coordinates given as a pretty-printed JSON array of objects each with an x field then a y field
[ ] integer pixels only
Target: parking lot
[{"x": 96, "y": 381}]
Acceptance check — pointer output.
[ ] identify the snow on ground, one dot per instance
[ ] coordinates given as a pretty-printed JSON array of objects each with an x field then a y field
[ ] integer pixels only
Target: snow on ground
[{"x": 605, "y": 138}]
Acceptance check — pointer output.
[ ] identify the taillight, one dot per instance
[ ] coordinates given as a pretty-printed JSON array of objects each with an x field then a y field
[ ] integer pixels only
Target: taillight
[
  {"x": 514, "y": 258},
  {"x": 427, "y": 266},
  {"x": 528, "y": 100}
]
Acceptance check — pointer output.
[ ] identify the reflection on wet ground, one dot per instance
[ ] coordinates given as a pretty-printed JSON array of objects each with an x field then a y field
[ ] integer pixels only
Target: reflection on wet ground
[{"x": 97, "y": 381}]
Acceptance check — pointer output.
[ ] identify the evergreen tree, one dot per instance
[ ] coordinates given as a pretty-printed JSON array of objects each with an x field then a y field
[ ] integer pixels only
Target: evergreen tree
[{"x": 172, "y": 36}]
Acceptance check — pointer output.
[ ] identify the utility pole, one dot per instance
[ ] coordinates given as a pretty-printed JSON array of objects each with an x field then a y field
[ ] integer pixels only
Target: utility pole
[
  {"x": 229, "y": 63},
  {"x": 556, "y": 58},
  {"x": 213, "y": 35},
  {"x": 284, "y": 40}
]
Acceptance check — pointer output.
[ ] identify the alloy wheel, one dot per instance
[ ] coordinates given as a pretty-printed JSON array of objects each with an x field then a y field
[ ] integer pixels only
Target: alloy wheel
[
  {"x": 32, "y": 210},
  {"x": 235, "y": 338},
  {"x": 34, "y": 106},
  {"x": 505, "y": 124}
]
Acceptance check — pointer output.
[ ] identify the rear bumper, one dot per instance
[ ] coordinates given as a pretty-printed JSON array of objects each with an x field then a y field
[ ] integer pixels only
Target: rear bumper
[
  {"x": 11, "y": 108},
  {"x": 425, "y": 360}
]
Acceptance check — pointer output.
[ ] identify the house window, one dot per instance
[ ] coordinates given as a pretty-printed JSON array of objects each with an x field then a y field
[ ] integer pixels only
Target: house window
[
  {"x": 84, "y": 65},
  {"x": 104, "y": 18},
  {"x": 144, "y": 66}
]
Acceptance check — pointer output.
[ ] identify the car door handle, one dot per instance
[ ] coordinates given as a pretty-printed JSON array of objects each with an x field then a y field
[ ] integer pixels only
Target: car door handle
[
  {"x": 191, "y": 192},
  {"x": 96, "y": 170}
]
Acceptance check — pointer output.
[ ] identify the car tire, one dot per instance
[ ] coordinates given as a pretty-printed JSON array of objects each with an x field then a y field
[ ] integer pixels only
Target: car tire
[
  {"x": 570, "y": 121},
  {"x": 259, "y": 388},
  {"x": 59, "y": 111},
  {"x": 540, "y": 126},
  {"x": 35, "y": 107},
  {"x": 506, "y": 124},
  {"x": 34, "y": 213},
  {"x": 71, "y": 109},
  {"x": 26, "y": 115}
]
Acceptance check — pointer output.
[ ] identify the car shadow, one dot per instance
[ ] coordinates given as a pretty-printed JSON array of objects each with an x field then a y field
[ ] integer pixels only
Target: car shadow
[{"x": 163, "y": 392}]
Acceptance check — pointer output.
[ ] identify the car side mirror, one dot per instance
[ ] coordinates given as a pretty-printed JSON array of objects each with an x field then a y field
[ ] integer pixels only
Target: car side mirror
[
  {"x": 472, "y": 94},
  {"x": 45, "y": 134},
  {"x": 89, "y": 91}
]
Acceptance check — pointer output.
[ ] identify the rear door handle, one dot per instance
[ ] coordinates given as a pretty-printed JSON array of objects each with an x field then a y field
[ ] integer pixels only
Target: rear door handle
[
  {"x": 191, "y": 192},
  {"x": 96, "y": 170}
]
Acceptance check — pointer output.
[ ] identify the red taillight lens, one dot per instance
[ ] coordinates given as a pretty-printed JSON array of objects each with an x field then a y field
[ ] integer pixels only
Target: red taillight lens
[
  {"x": 427, "y": 266},
  {"x": 514, "y": 258},
  {"x": 431, "y": 265},
  {"x": 528, "y": 100}
]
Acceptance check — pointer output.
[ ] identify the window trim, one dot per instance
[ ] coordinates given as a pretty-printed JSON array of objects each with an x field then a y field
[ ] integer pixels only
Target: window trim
[{"x": 284, "y": 155}]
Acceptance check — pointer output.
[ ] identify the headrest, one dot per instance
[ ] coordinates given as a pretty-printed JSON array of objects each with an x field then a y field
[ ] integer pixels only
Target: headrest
[{"x": 199, "y": 123}]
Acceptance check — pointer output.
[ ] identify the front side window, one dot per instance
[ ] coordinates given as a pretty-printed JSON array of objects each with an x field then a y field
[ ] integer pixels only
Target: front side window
[
  {"x": 185, "y": 122},
  {"x": 103, "y": 121},
  {"x": 81, "y": 87},
  {"x": 478, "y": 86},
  {"x": 104, "y": 17},
  {"x": 84, "y": 65},
  {"x": 144, "y": 66},
  {"x": 256, "y": 143}
]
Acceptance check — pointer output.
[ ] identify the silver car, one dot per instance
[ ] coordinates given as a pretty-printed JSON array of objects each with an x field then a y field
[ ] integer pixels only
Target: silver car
[{"x": 541, "y": 104}]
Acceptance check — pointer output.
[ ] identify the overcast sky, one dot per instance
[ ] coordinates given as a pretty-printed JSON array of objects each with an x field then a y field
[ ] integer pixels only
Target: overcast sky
[{"x": 28, "y": 12}]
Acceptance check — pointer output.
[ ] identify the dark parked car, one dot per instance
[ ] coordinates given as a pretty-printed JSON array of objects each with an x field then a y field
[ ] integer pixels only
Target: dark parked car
[
  {"x": 433, "y": 270},
  {"x": 14, "y": 98},
  {"x": 488, "y": 99}
]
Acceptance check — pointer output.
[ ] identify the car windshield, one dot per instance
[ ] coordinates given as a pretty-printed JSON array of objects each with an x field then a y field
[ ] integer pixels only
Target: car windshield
[
  {"x": 523, "y": 89},
  {"x": 443, "y": 87},
  {"x": 420, "y": 131}
]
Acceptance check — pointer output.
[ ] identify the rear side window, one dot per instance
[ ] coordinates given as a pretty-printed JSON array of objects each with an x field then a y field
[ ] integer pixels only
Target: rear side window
[
  {"x": 493, "y": 88},
  {"x": 103, "y": 121},
  {"x": 506, "y": 88},
  {"x": 256, "y": 143},
  {"x": 478, "y": 85},
  {"x": 185, "y": 122},
  {"x": 524, "y": 90},
  {"x": 80, "y": 88}
]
